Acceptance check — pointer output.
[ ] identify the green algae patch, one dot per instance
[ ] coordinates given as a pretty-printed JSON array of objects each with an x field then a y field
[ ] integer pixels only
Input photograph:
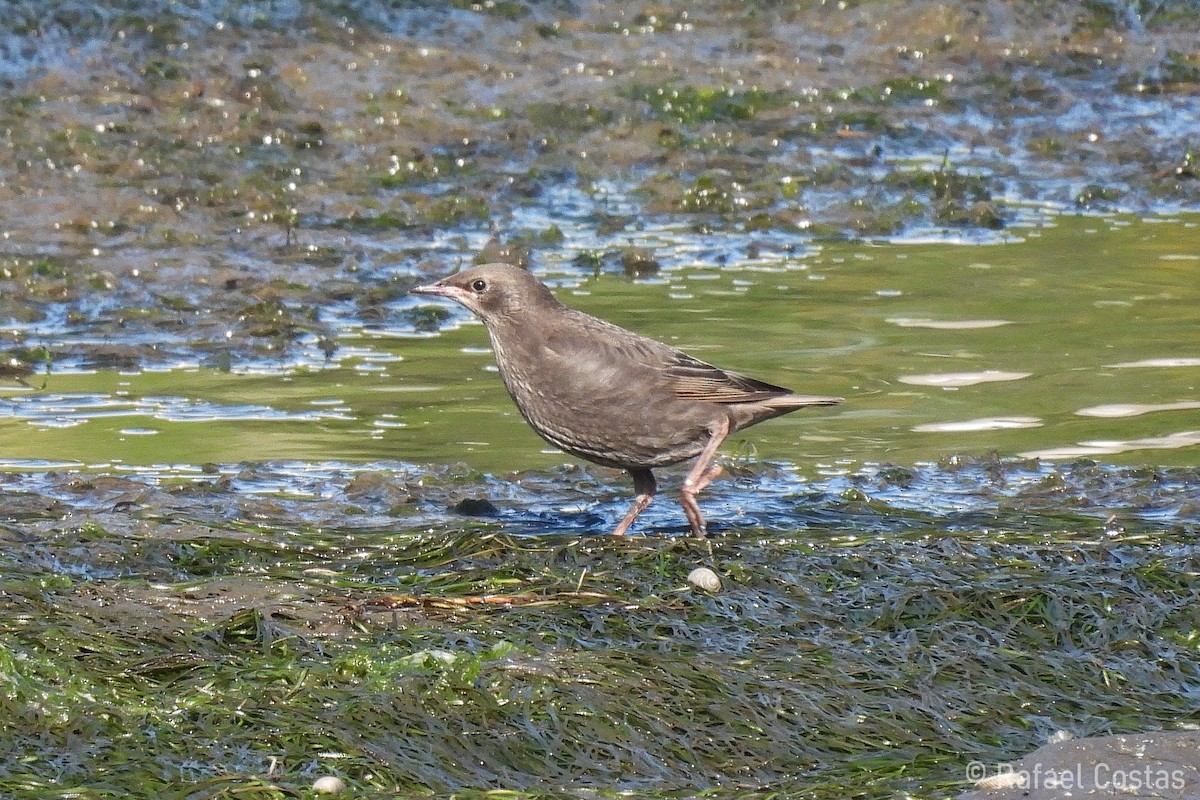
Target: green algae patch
[
  {"x": 691, "y": 105},
  {"x": 156, "y": 648}
]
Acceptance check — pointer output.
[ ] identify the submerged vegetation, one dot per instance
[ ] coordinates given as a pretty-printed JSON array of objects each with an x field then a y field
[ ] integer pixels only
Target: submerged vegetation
[{"x": 156, "y": 643}]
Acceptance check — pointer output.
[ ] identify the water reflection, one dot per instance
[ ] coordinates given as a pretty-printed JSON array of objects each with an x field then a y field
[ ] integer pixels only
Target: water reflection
[
  {"x": 1158, "y": 362},
  {"x": 985, "y": 424},
  {"x": 953, "y": 380},
  {"x": 947, "y": 324},
  {"x": 1135, "y": 409},
  {"x": 1099, "y": 448},
  {"x": 68, "y": 410}
]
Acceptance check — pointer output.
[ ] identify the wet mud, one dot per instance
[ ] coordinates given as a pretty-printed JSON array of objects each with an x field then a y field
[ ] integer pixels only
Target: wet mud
[{"x": 228, "y": 185}]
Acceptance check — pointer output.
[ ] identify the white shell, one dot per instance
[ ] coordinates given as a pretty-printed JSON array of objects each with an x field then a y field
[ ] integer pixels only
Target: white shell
[
  {"x": 329, "y": 784},
  {"x": 704, "y": 578}
]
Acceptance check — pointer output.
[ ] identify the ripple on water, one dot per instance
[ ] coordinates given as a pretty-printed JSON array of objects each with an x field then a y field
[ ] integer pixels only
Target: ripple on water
[
  {"x": 983, "y": 424},
  {"x": 871, "y": 499},
  {"x": 952, "y": 380},
  {"x": 69, "y": 410},
  {"x": 1151, "y": 363},
  {"x": 1136, "y": 409},
  {"x": 1107, "y": 447},
  {"x": 947, "y": 324}
]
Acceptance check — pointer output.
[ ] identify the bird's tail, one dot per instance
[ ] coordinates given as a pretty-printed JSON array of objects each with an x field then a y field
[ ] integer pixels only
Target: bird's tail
[{"x": 789, "y": 402}]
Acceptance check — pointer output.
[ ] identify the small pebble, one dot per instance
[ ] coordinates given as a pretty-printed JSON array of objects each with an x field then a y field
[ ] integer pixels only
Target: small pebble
[
  {"x": 704, "y": 578},
  {"x": 328, "y": 784}
]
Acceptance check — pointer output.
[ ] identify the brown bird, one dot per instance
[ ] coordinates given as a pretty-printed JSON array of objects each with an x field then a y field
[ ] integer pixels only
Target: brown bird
[{"x": 608, "y": 395}]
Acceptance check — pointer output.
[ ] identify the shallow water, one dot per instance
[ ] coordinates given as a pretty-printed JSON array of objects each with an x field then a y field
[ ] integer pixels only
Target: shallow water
[{"x": 1075, "y": 338}]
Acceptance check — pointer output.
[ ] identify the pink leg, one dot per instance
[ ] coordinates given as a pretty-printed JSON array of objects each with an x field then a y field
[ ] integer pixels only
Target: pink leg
[
  {"x": 702, "y": 474},
  {"x": 643, "y": 484}
]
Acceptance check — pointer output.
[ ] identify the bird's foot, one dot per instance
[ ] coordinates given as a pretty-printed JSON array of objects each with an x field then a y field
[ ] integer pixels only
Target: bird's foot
[{"x": 644, "y": 485}]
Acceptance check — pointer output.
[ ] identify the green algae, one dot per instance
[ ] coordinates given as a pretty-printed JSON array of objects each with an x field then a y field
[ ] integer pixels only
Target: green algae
[{"x": 831, "y": 664}]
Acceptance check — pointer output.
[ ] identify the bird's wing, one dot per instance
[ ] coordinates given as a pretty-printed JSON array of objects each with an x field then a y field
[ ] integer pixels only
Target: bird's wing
[
  {"x": 693, "y": 379},
  {"x": 596, "y": 353}
]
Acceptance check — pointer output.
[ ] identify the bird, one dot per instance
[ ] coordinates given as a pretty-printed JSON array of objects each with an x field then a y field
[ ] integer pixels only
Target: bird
[{"x": 608, "y": 395}]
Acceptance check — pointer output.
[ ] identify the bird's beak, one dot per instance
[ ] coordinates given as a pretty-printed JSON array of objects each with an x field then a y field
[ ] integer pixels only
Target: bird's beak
[
  {"x": 435, "y": 289},
  {"x": 447, "y": 290}
]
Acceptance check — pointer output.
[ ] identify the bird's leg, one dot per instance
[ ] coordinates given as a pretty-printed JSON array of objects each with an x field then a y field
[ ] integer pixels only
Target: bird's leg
[
  {"x": 643, "y": 484},
  {"x": 702, "y": 474}
]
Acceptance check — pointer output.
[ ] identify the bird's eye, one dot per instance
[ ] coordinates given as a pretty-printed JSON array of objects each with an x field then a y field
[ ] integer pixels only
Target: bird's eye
[{"x": 478, "y": 285}]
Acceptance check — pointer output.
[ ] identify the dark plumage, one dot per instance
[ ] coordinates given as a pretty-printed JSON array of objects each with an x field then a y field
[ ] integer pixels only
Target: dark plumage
[{"x": 608, "y": 395}]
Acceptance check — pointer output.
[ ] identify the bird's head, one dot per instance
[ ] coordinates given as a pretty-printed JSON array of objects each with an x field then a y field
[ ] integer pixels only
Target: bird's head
[{"x": 492, "y": 291}]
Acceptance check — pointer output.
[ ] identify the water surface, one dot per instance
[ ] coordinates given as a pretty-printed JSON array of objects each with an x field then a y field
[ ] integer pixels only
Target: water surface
[{"x": 1075, "y": 338}]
